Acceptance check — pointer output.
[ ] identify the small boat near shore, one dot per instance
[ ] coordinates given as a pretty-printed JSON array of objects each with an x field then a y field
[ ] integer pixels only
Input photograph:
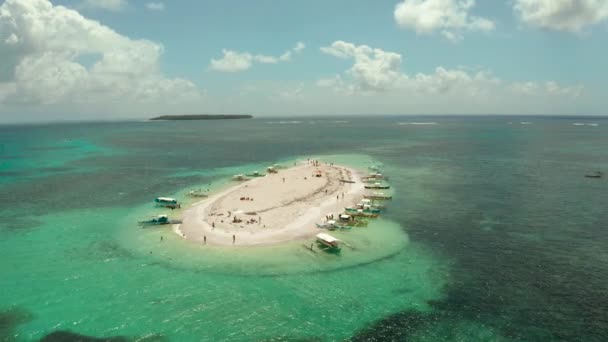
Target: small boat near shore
[
  {"x": 239, "y": 178},
  {"x": 378, "y": 196},
  {"x": 361, "y": 213},
  {"x": 332, "y": 225},
  {"x": 364, "y": 210},
  {"x": 158, "y": 221},
  {"x": 374, "y": 177},
  {"x": 378, "y": 186},
  {"x": 328, "y": 243},
  {"x": 167, "y": 202},
  {"x": 255, "y": 174},
  {"x": 351, "y": 221},
  {"x": 347, "y": 181}
]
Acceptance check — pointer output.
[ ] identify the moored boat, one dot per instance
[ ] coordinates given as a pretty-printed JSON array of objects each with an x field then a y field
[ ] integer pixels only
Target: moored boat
[
  {"x": 368, "y": 210},
  {"x": 158, "y": 221},
  {"x": 332, "y": 225},
  {"x": 167, "y": 202},
  {"x": 239, "y": 178},
  {"x": 328, "y": 242},
  {"x": 255, "y": 174},
  {"x": 378, "y": 196},
  {"x": 378, "y": 186}
]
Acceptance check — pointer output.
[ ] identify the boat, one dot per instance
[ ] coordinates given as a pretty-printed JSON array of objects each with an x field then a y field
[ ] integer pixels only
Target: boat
[
  {"x": 378, "y": 186},
  {"x": 361, "y": 213},
  {"x": 368, "y": 210},
  {"x": 378, "y": 196},
  {"x": 375, "y": 176},
  {"x": 272, "y": 169},
  {"x": 167, "y": 202},
  {"x": 255, "y": 174},
  {"x": 198, "y": 193},
  {"x": 332, "y": 225},
  {"x": 328, "y": 243},
  {"x": 596, "y": 174},
  {"x": 347, "y": 181},
  {"x": 239, "y": 178},
  {"x": 158, "y": 221}
]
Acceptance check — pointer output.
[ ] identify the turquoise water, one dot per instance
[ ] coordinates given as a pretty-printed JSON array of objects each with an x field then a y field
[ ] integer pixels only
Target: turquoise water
[{"x": 494, "y": 234}]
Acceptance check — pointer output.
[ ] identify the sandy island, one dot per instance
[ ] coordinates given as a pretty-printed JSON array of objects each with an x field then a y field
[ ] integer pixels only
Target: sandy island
[{"x": 282, "y": 207}]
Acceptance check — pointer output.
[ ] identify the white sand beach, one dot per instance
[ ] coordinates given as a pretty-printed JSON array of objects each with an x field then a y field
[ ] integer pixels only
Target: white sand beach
[{"x": 272, "y": 209}]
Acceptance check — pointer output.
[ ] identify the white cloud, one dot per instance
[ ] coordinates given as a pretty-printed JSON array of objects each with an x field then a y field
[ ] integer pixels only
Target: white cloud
[
  {"x": 45, "y": 44},
  {"x": 373, "y": 69},
  {"x": 108, "y": 5},
  {"x": 234, "y": 61},
  {"x": 549, "y": 88},
  {"x": 562, "y": 15},
  {"x": 450, "y": 17},
  {"x": 376, "y": 71},
  {"x": 155, "y": 6}
]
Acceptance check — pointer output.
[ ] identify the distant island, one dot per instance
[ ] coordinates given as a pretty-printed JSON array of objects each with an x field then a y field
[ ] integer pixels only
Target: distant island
[{"x": 202, "y": 117}]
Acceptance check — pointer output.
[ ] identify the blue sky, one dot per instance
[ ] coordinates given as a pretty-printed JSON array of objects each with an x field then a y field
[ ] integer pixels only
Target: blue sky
[{"x": 122, "y": 59}]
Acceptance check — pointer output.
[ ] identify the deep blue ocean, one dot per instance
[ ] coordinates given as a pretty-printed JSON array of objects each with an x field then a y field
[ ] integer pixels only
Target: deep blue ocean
[{"x": 507, "y": 238}]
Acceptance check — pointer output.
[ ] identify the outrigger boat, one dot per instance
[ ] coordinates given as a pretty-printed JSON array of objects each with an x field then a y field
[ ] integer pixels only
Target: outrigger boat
[
  {"x": 368, "y": 210},
  {"x": 331, "y": 225},
  {"x": 361, "y": 213},
  {"x": 158, "y": 221},
  {"x": 375, "y": 176},
  {"x": 255, "y": 174},
  {"x": 596, "y": 174},
  {"x": 167, "y": 202},
  {"x": 239, "y": 178},
  {"x": 378, "y": 186},
  {"x": 349, "y": 220},
  {"x": 328, "y": 243},
  {"x": 378, "y": 196}
]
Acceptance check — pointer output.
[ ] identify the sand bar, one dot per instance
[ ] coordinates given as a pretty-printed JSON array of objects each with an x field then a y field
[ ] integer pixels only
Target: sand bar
[{"x": 273, "y": 209}]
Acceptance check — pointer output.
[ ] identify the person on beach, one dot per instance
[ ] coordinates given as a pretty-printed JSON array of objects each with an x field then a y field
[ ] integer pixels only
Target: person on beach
[
  {"x": 205, "y": 239},
  {"x": 283, "y": 179},
  {"x": 233, "y": 239}
]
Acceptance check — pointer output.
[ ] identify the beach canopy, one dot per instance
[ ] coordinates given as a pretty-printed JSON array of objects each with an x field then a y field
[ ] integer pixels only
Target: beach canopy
[
  {"x": 327, "y": 238},
  {"x": 345, "y": 216}
]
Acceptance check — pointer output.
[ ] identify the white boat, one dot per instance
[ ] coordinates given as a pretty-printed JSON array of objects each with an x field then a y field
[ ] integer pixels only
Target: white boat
[
  {"x": 239, "y": 178},
  {"x": 331, "y": 225},
  {"x": 328, "y": 242}
]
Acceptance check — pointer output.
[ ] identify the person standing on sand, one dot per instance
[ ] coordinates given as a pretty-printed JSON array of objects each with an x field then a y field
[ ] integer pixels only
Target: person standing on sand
[
  {"x": 205, "y": 239},
  {"x": 233, "y": 239}
]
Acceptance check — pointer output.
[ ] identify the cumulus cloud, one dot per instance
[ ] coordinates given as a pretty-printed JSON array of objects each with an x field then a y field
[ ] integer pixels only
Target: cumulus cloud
[
  {"x": 45, "y": 46},
  {"x": 108, "y": 5},
  {"x": 450, "y": 17},
  {"x": 234, "y": 61},
  {"x": 373, "y": 69},
  {"x": 549, "y": 88},
  {"x": 155, "y": 6},
  {"x": 378, "y": 71},
  {"x": 562, "y": 15}
]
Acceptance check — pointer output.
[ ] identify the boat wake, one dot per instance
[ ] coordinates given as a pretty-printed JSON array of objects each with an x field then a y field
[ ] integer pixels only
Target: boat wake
[
  {"x": 585, "y": 124},
  {"x": 417, "y": 123},
  {"x": 284, "y": 122}
]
